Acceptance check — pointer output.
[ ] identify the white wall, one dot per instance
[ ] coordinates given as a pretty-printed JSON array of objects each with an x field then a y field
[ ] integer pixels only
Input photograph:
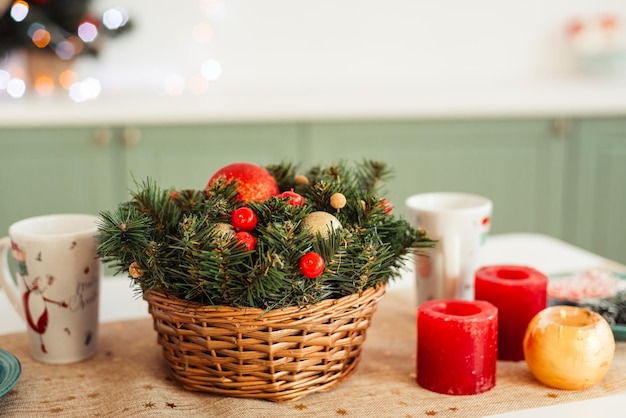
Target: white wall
[{"x": 288, "y": 43}]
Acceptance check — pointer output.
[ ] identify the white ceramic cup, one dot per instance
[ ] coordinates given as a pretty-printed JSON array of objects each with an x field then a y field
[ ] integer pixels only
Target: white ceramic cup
[
  {"x": 56, "y": 288},
  {"x": 460, "y": 223}
]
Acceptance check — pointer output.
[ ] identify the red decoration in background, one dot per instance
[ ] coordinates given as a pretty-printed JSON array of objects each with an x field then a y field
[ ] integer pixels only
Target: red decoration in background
[
  {"x": 457, "y": 344},
  {"x": 519, "y": 293},
  {"x": 254, "y": 183}
]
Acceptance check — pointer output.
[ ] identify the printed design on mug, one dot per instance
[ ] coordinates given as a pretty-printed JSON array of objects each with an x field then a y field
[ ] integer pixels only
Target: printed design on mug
[
  {"x": 36, "y": 304},
  {"x": 20, "y": 257},
  {"x": 486, "y": 226}
]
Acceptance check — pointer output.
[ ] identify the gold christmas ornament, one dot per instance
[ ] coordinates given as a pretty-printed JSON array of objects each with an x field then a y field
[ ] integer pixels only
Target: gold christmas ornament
[
  {"x": 134, "y": 270},
  {"x": 320, "y": 221},
  {"x": 301, "y": 180},
  {"x": 224, "y": 229},
  {"x": 338, "y": 201}
]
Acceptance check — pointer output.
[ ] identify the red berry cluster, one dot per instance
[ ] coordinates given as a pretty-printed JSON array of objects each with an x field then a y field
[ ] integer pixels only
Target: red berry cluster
[{"x": 244, "y": 221}]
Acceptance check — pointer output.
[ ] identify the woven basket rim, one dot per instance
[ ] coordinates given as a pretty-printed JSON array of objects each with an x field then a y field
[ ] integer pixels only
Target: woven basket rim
[{"x": 376, "y": 291}]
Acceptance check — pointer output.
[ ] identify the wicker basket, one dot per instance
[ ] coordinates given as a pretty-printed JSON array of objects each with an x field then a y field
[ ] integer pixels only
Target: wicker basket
[{"x": 280, "y": 356}]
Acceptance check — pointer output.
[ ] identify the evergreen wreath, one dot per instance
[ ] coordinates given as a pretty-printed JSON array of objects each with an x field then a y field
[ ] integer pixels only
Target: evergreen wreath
[{"x": 182, "y": 243}]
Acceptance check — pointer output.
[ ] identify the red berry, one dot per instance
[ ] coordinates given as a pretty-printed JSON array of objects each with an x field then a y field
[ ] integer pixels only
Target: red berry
[
  {"x": 244, "y": 219},
  {"x": 294, "y": 198},
  {"x": 311, "y": 265},
  {"x": 246, "y": 239}
]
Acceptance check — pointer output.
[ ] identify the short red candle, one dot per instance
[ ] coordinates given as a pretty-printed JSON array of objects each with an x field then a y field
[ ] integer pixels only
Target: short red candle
[
  {"x": 457, "y": 343},
  {"x": 519, "y": 293}
]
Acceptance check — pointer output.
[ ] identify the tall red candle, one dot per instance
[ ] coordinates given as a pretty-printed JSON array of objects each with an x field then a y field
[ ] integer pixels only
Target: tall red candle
[
  {"x": 457, "y": 343},
  {"x": 519, "y": 293}
]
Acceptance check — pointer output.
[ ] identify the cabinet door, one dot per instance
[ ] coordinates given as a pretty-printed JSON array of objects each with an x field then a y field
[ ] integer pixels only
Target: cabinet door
[
  {"x": 52, "y": 170},
  {"x": 595, "y": 208},
  {"x": 187, "y": 156},
  {"x": 518, "y": 164}
]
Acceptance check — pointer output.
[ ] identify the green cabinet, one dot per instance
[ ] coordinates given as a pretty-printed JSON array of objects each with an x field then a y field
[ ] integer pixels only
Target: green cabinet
[
  {"x": 83, "y": 169},
  {"x": 569, "y": 183},
  {"x": 595, "y": 205},
  {"x": 52, "y": 170},
  {"x": 186, "y": 156},
  {"x": 517, "y": 163}
]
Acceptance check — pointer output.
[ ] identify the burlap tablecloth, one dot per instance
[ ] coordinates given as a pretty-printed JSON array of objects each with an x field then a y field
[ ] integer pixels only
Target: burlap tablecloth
[{"x": 129, "y": 378}]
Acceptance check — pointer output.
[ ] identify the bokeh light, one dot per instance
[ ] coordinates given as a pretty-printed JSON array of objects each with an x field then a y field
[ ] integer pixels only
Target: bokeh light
[
  {"x": 65, "y": 50},
  {"x": 87, "y": 31},
  {"x": 16, "y": 87},
  {"x": 202, "y": 33},
  {"x": 41, "y": 38},
  {"x": 174, "y": 85},
  {"x": 34, "y": 27},
  {"x": 211, "y": 69},
  {"x": 44, "y": 85},
  {"x": 67, "y": 78},
  {"x": 88, "y": 89},
  {"x": 19, "y": 10},
  {"x": 215, "y": 10},
  {"x": 114, "y": 18},
  {"x": 198, "y": 85}
]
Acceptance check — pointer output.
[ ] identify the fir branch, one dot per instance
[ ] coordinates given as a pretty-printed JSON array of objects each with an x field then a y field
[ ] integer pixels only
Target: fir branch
[{"x": 181, "y": 242}]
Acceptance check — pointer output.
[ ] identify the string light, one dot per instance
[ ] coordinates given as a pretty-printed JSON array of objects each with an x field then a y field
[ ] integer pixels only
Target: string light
[
  {"x": 87, "y": 31},
  {"x": 16, "y": 87},
  {"x": 44, "y": 85},
  {"x": 19, "y": 10},
  {"x": 41, "y": 38},
  {"x": 114, "y": 18},
  {"x": 210, "y": 69}
]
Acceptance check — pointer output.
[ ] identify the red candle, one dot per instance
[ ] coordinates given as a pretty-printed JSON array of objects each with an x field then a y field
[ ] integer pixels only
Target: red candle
[
  {"x": 519, "y": 293},
  {"x": 457, "y": 344}
]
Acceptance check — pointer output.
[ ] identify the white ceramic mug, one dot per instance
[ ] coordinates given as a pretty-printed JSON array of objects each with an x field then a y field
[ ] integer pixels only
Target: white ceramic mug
[
  {"x": 460, "y": 223},
  {"x": 56, "y": 288}
]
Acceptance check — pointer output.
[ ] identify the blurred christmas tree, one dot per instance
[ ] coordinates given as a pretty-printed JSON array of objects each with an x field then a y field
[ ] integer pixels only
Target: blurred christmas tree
[{"x": 68, "y": 28}]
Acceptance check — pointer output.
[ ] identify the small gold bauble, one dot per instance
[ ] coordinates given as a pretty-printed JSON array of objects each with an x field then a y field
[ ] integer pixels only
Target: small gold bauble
[
  {"x": 337, "y": 200},
  {"x": 321, "y": 222},
  {"x": 301, "y": 180},
  {"x": 223, "y": 229},
  {"x": 134, "y": 270}
]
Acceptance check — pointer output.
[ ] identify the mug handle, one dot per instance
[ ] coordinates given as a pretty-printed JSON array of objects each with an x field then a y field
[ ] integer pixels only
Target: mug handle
[{"x": 8, "y": 282}]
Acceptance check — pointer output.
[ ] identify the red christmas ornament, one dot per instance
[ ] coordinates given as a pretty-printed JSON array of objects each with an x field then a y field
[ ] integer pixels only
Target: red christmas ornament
[
  {"x": 244, "y": 219},
  {"x": 311, "y": 265},
  {"x": 294, "y": 198},
  {"x": 246, "y": 239},
  {"x": 254, "y": 183}
]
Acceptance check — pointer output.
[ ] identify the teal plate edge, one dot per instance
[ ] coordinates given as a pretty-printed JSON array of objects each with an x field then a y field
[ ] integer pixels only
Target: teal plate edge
[{"x": 10, "y": 371}]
